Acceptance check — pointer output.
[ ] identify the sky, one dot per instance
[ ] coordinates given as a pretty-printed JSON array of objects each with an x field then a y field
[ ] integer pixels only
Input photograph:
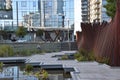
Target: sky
[{"x": 77, "y": 15}]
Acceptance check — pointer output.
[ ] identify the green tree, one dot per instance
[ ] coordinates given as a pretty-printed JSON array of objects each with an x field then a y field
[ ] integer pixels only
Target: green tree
[
  {"x": 21, "y": 32},
  {"x": 4, "y": 34},
  {"x": 39, "y": 32},
  {"x": 110, "y": 8}
]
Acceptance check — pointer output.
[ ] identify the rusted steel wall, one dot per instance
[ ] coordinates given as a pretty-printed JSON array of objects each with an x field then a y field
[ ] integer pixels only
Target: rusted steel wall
[
  {"x": 78, "y": 38},
  {"x": 104, "y": 38},
  {"x": 116, "y": 24}
]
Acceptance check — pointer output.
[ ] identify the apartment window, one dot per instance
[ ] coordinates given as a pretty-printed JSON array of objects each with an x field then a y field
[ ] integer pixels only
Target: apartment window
[{"x": 23, "y": 4}]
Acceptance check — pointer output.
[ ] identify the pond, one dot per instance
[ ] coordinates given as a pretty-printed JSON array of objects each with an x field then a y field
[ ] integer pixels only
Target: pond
[{"x": 55, "y": 72}]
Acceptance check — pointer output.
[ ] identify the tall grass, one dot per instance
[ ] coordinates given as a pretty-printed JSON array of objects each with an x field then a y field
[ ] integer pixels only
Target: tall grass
[{"x": 6, "y": 50}]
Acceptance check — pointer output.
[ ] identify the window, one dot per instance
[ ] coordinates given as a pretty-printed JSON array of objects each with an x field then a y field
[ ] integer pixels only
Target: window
[{"x": 23, "y": 4}]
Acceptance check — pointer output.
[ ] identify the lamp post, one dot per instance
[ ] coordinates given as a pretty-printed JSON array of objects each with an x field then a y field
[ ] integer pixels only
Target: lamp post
[
  {"x": 68, "y": 36},
  {"x": 63, "y": 17},
  {"x": 62, "y": 32}
]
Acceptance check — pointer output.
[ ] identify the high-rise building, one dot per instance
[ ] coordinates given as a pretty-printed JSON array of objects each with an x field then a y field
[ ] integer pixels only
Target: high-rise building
[
  {"x": 94, "y": 11},
  {"x": 85, "y": 10},
  {"x": 6, "y": 14},
  {"x": 49, "y": 12},
  {"x": 37, "y": 14}
]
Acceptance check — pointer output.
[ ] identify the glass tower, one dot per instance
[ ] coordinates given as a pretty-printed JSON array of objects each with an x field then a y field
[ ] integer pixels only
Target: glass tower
[{"x": 36, "y": 13}]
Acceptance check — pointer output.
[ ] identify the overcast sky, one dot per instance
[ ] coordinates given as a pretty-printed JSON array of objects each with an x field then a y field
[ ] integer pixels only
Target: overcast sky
[{"x": 77, "y": 6}]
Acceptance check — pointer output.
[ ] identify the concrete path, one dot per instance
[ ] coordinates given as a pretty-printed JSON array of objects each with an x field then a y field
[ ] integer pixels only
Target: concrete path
[{"x": 83, "y": 70}]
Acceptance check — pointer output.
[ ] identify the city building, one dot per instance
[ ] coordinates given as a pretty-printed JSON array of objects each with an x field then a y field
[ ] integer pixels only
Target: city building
[
  {"x": 85, "y": 10},
  {"x": 93, "y": 10},
  {"x": 6, "y": 14},
  {"x": 49, "y": 15}
]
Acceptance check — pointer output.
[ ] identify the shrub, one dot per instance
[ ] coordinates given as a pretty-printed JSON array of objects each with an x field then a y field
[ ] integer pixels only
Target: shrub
[
  {"x": 1, "y": 66},
  {"x": 105, "y": 60},
  {"x": 83, "y": 55},
  {"x": 44, "y": 74},
  {"x": 6, "y": 50},
  {"x": 28, "y": 68},
  {"x": 64, "y": 57}
]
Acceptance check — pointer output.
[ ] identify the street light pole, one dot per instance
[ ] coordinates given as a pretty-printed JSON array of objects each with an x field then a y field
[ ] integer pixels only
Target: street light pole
[
  {"x": 62, "y": 32},
  {"x": 68, "y": 30},
  {"x": 68, "y": 36},
  {"x": 63, "y": 17}
]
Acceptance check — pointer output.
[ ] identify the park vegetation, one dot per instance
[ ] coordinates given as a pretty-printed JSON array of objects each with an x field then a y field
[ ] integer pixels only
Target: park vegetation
[
  {"x": 110, "y": 8},
  {"x": 10, "y": 51},
  {"x": 83, "y": 55}
]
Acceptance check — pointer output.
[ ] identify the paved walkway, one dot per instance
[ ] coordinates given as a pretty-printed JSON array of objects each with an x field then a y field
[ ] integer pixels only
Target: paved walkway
[{"x": 83, "y": 70}]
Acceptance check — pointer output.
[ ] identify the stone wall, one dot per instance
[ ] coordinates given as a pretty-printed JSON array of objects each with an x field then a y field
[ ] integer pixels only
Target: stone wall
[{"x": 60, "y": 46}]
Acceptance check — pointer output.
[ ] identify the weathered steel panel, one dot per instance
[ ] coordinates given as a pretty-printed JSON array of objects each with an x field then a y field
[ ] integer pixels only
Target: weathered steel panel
[{"x": 103, "y": 39}]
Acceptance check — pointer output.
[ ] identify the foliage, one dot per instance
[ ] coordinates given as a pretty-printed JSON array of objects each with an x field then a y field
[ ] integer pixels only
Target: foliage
[
  {"x": 21, "y": 32},
  {"x": 3, "y": 33},
  {"x": 39, "y": 32},
  {"x": 28, "y": 68},
  {"x": 1, "y": 66},
  {"x": 64, "y": 57},
  {"x": 44, "y": 74},
  {"x": 105, "y": 60},
  {"x": 6, "y": 50},
  {"x": 37, "y": 74},
  {"x": 110, "y": 8},
  {"x": 84, "y": 55},
  {"x": 28, "y": 52}
]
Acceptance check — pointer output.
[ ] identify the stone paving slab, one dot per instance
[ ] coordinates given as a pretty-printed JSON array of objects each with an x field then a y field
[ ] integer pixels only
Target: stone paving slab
[{"x": 83, "y": 70}]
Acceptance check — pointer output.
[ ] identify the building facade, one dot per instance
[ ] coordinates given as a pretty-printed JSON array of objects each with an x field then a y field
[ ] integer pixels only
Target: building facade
[
  {"x": 6, "y": 14},
  {"x": 50, "y": 12},
  {"x": 95, "y": 11},
  {"x": 85, "y": 10},
  {"x": 37, "y": 14}
]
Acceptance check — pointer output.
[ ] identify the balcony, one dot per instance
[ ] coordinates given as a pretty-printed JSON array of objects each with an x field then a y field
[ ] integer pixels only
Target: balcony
[
  {"x": 97, "y": 8},
  {"x": 97, "y": 2}
]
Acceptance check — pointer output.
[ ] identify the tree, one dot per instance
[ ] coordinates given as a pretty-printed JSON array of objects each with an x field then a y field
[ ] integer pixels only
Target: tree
[
  {"x": 110, "y": 8},
  {"x": 4, "y": 34},
  {"x": 21, "y": 32},
  {"x": 39, "y": 32}
]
